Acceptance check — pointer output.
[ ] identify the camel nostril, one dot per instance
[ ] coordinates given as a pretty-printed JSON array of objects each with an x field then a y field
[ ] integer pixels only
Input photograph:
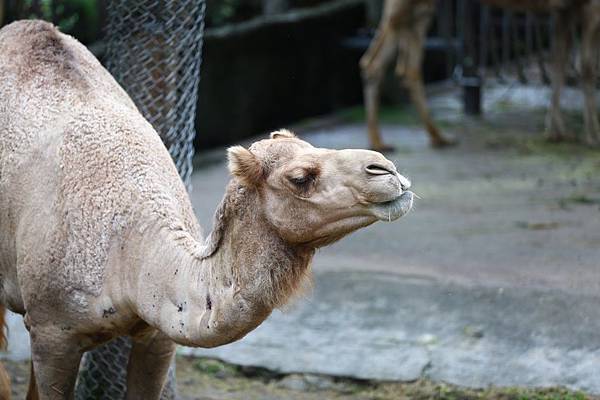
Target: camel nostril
[{"x": 378, "y": 169}]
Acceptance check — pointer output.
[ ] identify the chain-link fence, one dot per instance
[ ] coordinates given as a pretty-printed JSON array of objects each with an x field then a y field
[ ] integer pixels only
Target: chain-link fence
[{"x": 154, "y": 52}]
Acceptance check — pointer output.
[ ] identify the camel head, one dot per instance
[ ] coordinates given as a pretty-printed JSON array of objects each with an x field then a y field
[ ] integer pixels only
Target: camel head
[{"x": 314, "y": 196}]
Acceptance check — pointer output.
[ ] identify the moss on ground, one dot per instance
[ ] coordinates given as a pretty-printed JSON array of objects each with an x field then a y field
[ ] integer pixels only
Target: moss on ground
[{"x": 218, "y": 380}]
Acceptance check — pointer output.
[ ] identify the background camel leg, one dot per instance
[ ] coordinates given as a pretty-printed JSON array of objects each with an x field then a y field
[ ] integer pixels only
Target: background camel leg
[
  {"x": 32, "y": 393},
  {"x": 413, "y": 80},
  {"x": 555, "y": 125},
  {"x": 55, "y": 362},
  {"x": 373, "y": 65},
  {"x": 149, "y": 362},
  {"x": 4, "y": 384},
  {"x": 4, "y": 378},
  {"x": 589, "y": 65}
]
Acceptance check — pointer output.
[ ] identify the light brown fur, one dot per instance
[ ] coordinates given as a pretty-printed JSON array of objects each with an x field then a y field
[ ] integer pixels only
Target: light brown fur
[
  {"x": 99, "y": 238},
  {"x": 403, "y": 29}
]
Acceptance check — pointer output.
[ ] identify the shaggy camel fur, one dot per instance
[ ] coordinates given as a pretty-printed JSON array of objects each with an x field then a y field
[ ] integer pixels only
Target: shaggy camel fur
[
  {"x": 403, "y": 29},
  {"x": 98, "y": 234}
]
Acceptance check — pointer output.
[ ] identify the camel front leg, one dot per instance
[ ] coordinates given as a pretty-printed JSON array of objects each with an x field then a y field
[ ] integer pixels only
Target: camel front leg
[
  {"x": 56, "y": 360},
  {"x": 373, "y": 65},
  {"x": 589, "y": 65},
  {"x": 148, "y": 367},
  {"x": 555, "y": 125}
]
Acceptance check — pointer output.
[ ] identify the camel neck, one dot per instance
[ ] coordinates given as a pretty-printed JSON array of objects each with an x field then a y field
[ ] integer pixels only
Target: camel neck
[
  {"x": 265, "y": 269},
  {"x": 213, "y": 293}
]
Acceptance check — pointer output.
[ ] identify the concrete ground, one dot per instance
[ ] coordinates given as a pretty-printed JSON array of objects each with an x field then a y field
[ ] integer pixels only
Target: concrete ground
[{"x": 493, "y": 279}]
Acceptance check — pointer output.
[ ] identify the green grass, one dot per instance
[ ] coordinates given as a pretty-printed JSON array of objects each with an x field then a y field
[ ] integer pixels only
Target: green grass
[{"x": 216, "y": 368}]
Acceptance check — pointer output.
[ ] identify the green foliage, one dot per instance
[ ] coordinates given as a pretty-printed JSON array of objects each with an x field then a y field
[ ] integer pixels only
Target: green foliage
[{"x": 79, "y": 18}]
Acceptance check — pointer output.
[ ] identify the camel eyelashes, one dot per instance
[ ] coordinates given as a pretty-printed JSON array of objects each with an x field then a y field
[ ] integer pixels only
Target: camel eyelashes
[{"x": 303, "y": 182}]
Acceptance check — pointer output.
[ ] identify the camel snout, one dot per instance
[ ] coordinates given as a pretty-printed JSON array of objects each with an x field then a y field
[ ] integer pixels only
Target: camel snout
[{"x": 383, "y": 180}]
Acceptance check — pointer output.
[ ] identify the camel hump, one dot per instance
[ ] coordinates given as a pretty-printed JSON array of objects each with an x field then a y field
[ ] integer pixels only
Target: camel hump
[{"x": 40, "y": 50}]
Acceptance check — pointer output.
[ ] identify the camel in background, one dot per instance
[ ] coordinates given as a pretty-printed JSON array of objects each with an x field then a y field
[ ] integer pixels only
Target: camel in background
[{"x": 403, "y": 29}]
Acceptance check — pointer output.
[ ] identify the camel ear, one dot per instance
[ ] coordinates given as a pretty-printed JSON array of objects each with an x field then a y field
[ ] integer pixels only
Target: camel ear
[
  {"x": 283, "y": 133},
  {"x": 245, "y": 165}
]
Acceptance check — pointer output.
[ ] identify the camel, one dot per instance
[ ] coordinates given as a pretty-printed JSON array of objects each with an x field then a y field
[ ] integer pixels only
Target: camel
[
  {"x": 403, "y": 29},
  {"x": 99, "y": 238}
]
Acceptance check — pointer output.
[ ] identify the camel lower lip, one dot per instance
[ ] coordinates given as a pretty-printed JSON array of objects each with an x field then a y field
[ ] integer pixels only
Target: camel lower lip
[{"x": 394, "y": 209}]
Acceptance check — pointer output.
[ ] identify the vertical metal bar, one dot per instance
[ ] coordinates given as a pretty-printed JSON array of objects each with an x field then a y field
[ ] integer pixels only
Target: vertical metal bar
[
  {"x": 517, "y": 48},
  {"x": 539, "y": 44},
  {"x": 460, "y": 26},
  {"x": 528, "y": 36},
  {"x": 471, "y": 80},
  {"x": 506, "y": 17},
  {"x": 495, "y": 48},
  {"x": 444, "y": 18},
  {"x": 484, "y": 38}
]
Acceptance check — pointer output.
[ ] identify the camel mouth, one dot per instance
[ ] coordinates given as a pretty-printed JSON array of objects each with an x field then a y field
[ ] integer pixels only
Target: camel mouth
[{"x": 393, "y": 209}]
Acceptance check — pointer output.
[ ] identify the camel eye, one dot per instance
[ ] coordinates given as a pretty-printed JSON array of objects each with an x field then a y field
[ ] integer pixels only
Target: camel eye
[
  {"x": 300, "y": 182},
  {"x": 303, "y": 180}
]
